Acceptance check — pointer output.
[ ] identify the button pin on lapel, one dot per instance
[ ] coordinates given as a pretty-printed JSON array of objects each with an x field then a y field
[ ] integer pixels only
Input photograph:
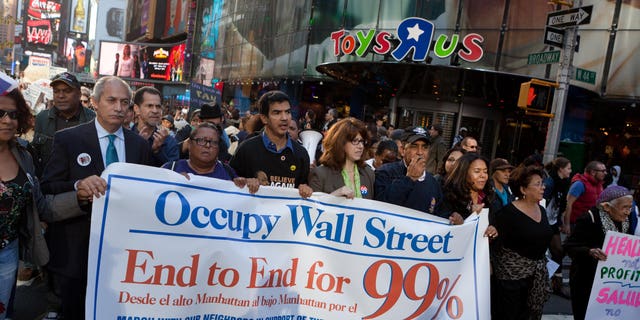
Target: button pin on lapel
[{"x": 83, "y": 159}]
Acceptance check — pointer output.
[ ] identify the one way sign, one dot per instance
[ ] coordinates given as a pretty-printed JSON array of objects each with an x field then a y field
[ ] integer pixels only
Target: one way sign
[{"x": 570, "y": 17}]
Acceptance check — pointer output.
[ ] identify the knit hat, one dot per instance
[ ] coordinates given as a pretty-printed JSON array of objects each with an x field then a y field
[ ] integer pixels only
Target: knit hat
[{"x": 611, "y": 193}]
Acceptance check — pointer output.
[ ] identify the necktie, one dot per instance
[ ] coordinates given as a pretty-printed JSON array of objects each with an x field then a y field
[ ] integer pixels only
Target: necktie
[{"x": 112, "y": 155}]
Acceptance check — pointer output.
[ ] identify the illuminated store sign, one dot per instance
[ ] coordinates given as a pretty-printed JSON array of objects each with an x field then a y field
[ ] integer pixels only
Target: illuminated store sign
[{"x": 412, "y": 33}]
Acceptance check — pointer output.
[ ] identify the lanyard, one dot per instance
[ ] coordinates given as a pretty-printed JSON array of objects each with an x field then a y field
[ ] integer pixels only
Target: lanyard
[{"x": 356, "y": 178}]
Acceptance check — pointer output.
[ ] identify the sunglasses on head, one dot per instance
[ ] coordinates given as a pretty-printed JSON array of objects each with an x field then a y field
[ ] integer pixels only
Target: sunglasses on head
[{"x": 13, "y": 114}]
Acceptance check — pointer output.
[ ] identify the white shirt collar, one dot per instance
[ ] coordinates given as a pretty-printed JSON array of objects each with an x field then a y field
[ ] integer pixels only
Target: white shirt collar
[{"x": 102, "y": 132}]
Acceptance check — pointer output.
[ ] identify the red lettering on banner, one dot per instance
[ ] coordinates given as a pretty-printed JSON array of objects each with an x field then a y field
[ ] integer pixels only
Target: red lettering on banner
[
  {"x": 172, "y": 275},
  {"x": 275, "y": 277},
  {"x": 126, "y": 297},
  {"x": 325, "y": 282}
]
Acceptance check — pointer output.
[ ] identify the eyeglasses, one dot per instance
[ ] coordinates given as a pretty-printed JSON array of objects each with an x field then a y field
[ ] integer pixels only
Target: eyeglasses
[
  {"x": 600, "y": 170},
  {"x": 356, "y": 142},
  {"x": 84, "y": 101},
  {"x": 13, "y": 114},
  {"x": 205, "y": 142}
]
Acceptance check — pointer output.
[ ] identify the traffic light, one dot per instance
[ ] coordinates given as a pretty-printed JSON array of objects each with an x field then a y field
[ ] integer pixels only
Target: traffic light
[{"x": 536, "y": 95}]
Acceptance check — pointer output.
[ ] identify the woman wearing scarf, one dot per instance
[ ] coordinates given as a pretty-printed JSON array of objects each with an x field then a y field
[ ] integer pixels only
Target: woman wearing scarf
[
  {"x": 584, "y": 246},
  {"x": 521, "y": 285},
  {"x": 343, "y": 172}
]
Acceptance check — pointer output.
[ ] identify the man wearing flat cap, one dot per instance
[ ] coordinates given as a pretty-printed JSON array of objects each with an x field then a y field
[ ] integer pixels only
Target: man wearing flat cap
[
  {"x": 437, "y": 150},
  {"x": 406, "y": 182},
  {"x": 66, "y": 112}
]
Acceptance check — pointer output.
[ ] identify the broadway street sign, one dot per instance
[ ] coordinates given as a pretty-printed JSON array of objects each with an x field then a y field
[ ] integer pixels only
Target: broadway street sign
[
  {"x": 544, "y": 57},
  {"x": 570, "y": 17}
]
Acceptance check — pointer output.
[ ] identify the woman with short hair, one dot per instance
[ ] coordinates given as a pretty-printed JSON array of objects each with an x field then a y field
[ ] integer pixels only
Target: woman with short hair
[{"x": 521, "y": 283}]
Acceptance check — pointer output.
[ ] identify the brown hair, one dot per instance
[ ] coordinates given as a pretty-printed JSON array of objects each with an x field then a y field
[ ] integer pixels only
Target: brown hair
[{"x": 341, "y": 133}]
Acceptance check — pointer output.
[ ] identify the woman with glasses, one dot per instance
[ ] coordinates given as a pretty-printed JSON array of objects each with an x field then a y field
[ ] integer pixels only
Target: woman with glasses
[
  {"x": 584, "y": 245},
  {"x": 205, "y": 144},
  {"x": 342, "y": 171},
  {"x": 521, "y": 282},
  {"x": 20, "y": 198}
]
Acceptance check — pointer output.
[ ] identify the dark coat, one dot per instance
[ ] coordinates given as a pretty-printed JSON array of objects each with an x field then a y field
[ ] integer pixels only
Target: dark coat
[
  {"x": 325, "y": 179},
  {"x": 68, "y": 239}
]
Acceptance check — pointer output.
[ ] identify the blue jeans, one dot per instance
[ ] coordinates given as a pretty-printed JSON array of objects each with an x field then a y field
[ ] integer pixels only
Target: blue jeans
[{"x": 8, "y": 271}]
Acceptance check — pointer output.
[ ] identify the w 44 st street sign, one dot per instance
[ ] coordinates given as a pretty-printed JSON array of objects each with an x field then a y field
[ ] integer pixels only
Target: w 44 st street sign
[{"x": 570, "y": 17}]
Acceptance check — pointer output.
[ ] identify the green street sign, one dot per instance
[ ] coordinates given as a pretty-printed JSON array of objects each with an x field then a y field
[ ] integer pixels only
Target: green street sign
[
  {"x": 544, "y": 57},
  {"x": 585, "y": 76}
]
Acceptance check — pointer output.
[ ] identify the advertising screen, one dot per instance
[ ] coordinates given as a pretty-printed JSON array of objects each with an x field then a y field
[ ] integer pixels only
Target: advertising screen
[
  {"x": 43, "y": 22},
  {"x": 142, "y": 61},
  {"x": 76, "y": 53},
  {"x": 79, "y": 15}
]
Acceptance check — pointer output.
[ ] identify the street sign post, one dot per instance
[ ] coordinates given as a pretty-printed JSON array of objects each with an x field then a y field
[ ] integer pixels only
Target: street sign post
[
  {"x": 553, "y": 36},
  {"x": 570, "y": 17},
  {"x": 585, "y": 76},
  {"x": 544, "y": 57}
]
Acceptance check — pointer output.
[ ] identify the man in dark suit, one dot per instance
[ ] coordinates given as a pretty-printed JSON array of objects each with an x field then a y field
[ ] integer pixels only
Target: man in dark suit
[{"x": 79, "y": 156}]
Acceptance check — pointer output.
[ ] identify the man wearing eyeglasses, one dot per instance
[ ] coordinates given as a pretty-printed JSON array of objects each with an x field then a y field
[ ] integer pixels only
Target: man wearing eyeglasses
[
  {"x": 85, "y": 97},
  {"x": 66, "y": 112},
  {"x": 585, "y": 189}
]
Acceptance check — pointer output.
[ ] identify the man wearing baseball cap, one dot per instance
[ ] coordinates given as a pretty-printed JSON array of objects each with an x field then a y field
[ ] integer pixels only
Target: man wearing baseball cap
[
  {"x": 66, "y": 112},
  {"x": 406, "y": 182},
  {"x": 500, "y": 170}
]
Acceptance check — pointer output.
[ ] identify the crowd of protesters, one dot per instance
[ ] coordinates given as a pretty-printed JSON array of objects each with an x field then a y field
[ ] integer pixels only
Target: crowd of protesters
[{"x": 48, "y": 183}]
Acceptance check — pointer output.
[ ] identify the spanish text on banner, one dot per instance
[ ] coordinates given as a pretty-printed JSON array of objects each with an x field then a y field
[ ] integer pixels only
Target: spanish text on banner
[{"x": 163, "y": 246}]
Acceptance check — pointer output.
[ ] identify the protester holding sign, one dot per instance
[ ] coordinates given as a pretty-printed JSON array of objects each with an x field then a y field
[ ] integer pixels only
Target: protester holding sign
[
  {"x": 342, "y": 171},
  {"x": 519, "y": 263},
  {"x": 467, "y": 191},
  {"x": 584, "y": 245},
  {"x": 203, "y": 158}
]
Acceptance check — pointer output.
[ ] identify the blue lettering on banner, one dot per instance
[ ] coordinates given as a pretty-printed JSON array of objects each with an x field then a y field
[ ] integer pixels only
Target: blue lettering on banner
[
  {"x": 395, "y": 240},
  {"x": 410, "y": 30},
  {"x": 218, "y": 218},
  {"x": 335, "y": 230}
]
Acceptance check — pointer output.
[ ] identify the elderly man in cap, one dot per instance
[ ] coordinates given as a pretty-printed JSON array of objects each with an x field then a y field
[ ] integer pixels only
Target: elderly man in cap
[
  {"x": 437, "y": 150},
  {"x": 66, "y": 112},
  {"x": 406, "y": 182}
]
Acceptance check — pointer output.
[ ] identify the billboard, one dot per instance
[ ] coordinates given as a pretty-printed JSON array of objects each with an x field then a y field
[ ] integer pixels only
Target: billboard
[
  {"x": 76, "y": 53},
  {"x": 43, "y": 22},
  {"x": 140, "y": 19},
  {"x": 161, "y": 62},
  {"x": 79, "y": 15},
  {"x": 176, "y": 17}
]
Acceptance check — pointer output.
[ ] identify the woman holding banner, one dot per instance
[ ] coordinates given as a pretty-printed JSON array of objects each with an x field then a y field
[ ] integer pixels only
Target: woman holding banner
[
  {"x": 343, "y": 172},
  {"x": 584, "y": 245},
  {"x": 521, "y": 283},
  {"x": 20, "y": 197},
  {"x": 204, "y": 145}
]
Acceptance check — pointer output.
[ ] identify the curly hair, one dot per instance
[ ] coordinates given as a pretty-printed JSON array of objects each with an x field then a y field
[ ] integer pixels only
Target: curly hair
[
  {"x": 24, "y": 113},
  {"x": 341, "y": 133},
  {"x": 457, "y": 189},
  {"x": 521, "y": 177}
]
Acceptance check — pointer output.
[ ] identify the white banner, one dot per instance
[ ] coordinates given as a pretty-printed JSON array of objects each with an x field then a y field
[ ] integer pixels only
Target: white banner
[
  {"x": 616, "y": 285},
  {"x": 164, "y": 247}
]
